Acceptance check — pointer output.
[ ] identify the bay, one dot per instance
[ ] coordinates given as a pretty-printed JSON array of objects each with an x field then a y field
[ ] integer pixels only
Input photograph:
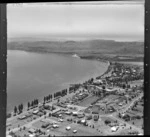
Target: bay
[{"x": 34, "y": 75}]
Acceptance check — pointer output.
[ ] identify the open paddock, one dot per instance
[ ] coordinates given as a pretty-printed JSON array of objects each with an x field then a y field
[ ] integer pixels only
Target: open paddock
[
  {"x": 16, "y": 122},
  {"x": 38, "y": 124},
  {"x": 137, "y": 122},
  {"x": 81, "y": 130},
  {"x": 22, "y": 132},
  {"x": 134, "y": 113},
  {"x": 87, "y": 101}
]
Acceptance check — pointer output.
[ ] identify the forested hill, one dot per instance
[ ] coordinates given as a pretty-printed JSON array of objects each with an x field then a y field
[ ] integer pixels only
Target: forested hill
[{"x": 87, "y": 46}]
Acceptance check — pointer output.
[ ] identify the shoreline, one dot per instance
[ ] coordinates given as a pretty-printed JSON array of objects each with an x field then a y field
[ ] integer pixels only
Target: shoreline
[{"x": 67, "y": 85}]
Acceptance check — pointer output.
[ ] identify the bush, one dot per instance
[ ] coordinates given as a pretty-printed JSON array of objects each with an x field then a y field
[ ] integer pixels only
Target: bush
[{"x": 107, "y": 122}]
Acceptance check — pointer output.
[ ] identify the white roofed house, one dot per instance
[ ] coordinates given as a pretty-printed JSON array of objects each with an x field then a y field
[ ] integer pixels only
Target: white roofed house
[
  {"x": 68, "y": 128},
  {"x": 75, "y": 113}
]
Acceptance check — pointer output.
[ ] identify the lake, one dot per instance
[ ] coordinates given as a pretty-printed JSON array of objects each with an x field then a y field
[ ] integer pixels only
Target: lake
[{"x": 34, "y": 75}]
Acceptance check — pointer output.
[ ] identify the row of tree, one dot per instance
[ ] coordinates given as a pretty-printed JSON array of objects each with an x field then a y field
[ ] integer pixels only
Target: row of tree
[
  {"x": 48, "y": 98},
  {"x": 18, "y": 109},
  {"x": 33, "y": 103},
  {"x": 60, "y": 93}
]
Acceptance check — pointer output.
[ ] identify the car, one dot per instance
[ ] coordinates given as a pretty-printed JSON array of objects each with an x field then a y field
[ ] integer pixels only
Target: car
[{"x": 74, "y": 131}]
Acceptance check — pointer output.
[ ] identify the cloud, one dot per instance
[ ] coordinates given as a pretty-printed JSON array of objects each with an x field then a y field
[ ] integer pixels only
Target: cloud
[{"x": 77, "y": 20}]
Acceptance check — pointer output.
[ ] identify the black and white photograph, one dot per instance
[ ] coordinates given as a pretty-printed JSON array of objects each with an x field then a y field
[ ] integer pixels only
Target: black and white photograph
[{"x": 75, "y": 68}]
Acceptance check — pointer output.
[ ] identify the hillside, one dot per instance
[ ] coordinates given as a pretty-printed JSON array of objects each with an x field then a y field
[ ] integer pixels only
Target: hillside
[{"x": 83, "y": 48}]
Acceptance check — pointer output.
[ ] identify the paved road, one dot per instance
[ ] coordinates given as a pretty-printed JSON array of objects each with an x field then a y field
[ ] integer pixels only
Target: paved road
[
  {"x": 25, "y": 112},
  {"x": 130, "y": 104},
  {"x": 113, "y": 115},
  {"x": 70, "y": 95},
  {"x": 133, "y": 126}
]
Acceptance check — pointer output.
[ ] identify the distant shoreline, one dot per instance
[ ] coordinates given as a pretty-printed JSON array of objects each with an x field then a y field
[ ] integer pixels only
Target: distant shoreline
[{"x": 90, "y": 56}]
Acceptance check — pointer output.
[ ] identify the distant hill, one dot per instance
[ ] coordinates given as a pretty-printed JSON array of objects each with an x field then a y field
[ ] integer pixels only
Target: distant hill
[{"x": 81, "y": 47}]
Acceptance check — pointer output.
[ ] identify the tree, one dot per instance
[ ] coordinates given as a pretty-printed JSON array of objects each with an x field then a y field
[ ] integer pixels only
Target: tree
[
  {"x": 21, "y": 107},
  {"x": 44, "y": 112},
  {"x": 49, "y": 97},
  {"x": 107, "y": 122},
  {"x": 32, "y": 103},
  {"x": 123, "y": 86},
  {"x": 28, "y": 105},
  {"x": 37, "y": 101},
  {"x": 44, "y": 99},
  {"x": 15, "y": 109}
]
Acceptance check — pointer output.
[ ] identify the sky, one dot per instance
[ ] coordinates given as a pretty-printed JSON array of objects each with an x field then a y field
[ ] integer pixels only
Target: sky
[{"x": 120, "y": 21}]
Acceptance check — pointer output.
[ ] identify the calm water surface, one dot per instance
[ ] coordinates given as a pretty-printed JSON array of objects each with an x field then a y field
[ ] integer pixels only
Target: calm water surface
[{"x": 34, "y": 75}]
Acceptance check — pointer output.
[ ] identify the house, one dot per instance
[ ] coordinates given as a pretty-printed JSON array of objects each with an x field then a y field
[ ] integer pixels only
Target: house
[
  {"x": 68, "y": 113},
  {"x": 68, "y": 128},
  {"x": 114, "y": 129},
  {"x": 31, "y": 130},
  {"x": 8, "y": 136},
  {"x": 89, "y": 117},
  {"x": 45, "y": 125},
  {"x": 80, "y": 115},
  {"x": 98, "y": 81},
  {"x": 8, "y": 124},
  {"x": 56, "y": 110},
  {"x": 74, "y": 113},
  {"x": 55, "y": 126},
  {"x": 83, "y": 121},
  {"x": 22, "y": 117},
  {"x": 120, "y": 104},
  {"x": 31, "y": 135},
  {"x": 35, "y": 112}
]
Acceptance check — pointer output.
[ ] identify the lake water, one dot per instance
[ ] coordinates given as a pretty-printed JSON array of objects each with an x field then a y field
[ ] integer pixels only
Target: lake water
[{"x": 34, "y": 75}]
